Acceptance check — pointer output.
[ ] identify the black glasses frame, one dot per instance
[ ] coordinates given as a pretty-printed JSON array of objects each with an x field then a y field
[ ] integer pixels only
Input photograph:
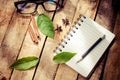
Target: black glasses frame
[{"x": 60, "y": 6}]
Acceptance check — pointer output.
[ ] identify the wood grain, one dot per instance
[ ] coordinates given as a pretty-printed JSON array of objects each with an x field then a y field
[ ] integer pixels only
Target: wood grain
[
  {"x": 15, "y": 41},
  {"x": 6, "y": 12},
  {"x": 29, "y": 48},
  {"x": 12, "y": 43},
  {"x": 106, "y": 20},
  {"x": 112, "y": 68},
  {"x": 106, "y": 15},
  {"x": 86, "y": 7}
]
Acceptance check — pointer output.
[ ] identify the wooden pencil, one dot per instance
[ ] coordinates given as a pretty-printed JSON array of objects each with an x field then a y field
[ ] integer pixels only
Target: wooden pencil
[
  {"x": 32, "y": 35},
  {"x": 35, "y": 27}
]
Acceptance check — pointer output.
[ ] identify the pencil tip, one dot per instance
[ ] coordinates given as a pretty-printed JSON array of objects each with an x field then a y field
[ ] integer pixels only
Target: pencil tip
[{"x": 79, "y": 60}]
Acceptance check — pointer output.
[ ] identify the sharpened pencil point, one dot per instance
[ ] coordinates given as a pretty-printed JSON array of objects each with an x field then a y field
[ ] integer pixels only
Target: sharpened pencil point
[{"x": 79, "y": 60}]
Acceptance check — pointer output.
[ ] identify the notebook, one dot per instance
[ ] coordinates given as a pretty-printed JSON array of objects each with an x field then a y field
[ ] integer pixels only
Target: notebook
[{"x": 79, "y": 39}]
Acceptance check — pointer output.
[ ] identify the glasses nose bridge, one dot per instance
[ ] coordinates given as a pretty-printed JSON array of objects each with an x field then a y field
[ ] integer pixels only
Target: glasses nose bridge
[{"x": 39, "y": 4}]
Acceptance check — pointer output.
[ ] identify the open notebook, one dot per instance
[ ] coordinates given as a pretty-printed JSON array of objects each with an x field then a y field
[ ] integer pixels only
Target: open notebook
[{"x": 80, "y": 38}]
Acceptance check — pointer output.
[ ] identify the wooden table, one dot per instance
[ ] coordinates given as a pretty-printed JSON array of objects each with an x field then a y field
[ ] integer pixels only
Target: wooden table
[{"x": 15, "y": 41}]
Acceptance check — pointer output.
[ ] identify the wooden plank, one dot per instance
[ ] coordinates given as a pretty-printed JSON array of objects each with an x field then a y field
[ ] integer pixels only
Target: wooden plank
[
  {"x": 6, "y": 11},
  {"x": 106, "y": 20},
  {"x": 106, "y": 14},
  {"x": 65, "y": 73},
  {"x": 12, "y": 43},
  {"x": 112, "y": 68},
  {"x": 86, "y": 7},
  {"x": 47, "y": 68},
  {"x": 30, "y": 49}
]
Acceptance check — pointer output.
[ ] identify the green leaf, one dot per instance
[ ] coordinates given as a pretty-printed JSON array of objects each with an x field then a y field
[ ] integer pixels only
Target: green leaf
[
  {"x": 63, "y": 57},
  {"x": 45, "y": 25},
  {"x": 25, "y": 63}
]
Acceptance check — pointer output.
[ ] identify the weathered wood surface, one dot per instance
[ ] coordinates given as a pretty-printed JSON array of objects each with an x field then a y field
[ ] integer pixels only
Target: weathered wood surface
[
  {"x": 106, "y": 20},
  {"x": 6, "y": 13},
  {"x": 29, "y": 48},
  {"x": 15, "y": 42},
  {"x": 106, "y": 16},
  {"x": 12, "y": 43},
  {"x": 112, "y": 68}
]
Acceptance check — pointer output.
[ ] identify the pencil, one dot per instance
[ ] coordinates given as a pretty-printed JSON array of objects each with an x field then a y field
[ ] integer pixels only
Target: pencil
[
  {"x": 32, "y": 35},
  {"x": 35, "y": 27},
  {"x": 91, "y": 48}
]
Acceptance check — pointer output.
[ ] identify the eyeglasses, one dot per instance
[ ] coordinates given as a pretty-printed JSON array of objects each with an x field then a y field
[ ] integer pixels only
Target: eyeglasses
[{"x": 30, "y": 6}]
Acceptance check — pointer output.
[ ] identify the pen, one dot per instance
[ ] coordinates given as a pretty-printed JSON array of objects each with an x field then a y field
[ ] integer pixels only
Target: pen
[{"x": 91, "y": 48}]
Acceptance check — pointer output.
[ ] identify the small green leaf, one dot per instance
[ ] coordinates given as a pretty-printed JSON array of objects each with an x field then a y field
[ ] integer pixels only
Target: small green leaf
[
  {"x": 25, "y": 63},
  {"x": 45, "y": 25},
  {"x": 63, "y": 57}
]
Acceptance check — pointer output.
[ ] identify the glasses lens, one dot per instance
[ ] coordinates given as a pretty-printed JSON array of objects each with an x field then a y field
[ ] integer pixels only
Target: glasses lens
[
  {"x": 27, "y": 7},
  {"x": 50, "y": 6}
]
